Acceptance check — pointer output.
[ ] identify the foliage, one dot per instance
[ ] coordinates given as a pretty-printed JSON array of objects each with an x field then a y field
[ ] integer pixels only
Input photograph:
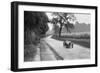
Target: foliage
[
  {"x": 35, "y": 21},
  {"x": 75, "y": 36},
  {"x": 63, "y": 19},
  {"x": 35, "y": 27}
]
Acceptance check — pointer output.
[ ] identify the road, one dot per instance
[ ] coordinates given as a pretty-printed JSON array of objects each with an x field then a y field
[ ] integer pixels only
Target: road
[{"x": 51, "y": 49}]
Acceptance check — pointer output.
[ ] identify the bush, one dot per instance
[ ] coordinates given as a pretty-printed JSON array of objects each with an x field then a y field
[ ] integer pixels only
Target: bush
[
  {"x": 74, "y": 36},
  {"x": 29, "y": 52}
]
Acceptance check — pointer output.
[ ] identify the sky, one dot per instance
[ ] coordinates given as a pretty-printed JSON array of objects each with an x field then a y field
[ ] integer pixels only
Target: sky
[{"x": 82, "y": 18}]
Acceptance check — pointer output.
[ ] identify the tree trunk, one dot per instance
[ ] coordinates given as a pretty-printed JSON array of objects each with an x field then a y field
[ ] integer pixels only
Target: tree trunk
[{"x": 60, "y": 30}]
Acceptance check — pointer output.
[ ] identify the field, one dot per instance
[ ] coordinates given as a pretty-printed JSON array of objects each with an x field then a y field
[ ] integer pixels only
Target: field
[{"x": 83, "y": 39}]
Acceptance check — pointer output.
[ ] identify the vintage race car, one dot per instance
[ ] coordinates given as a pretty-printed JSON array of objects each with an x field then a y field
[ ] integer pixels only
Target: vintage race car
[{"x": 68, "y": 44}]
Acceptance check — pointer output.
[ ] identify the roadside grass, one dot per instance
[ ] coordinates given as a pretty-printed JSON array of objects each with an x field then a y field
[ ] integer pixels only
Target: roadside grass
[{"x": 82, "y": 42}]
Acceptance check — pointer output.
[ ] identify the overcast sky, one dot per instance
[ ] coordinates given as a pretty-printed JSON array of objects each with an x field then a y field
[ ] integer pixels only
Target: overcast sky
[{"x": 82, "y": 18}]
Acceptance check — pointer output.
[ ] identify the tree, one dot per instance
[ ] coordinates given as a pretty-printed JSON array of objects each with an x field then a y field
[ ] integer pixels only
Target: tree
[
  {"x": 35, "y": 22},
  {"x": 54, "y": 21},
  {"x": 35, "y": 27},
  {"x": 63, "y": 19},
  {"x": 69, "y": 26}
]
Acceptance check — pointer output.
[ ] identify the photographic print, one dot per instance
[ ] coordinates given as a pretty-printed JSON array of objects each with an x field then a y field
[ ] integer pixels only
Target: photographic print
[
  {"x": 50, "y": 36},
  {"x": 53, "y": 36}
]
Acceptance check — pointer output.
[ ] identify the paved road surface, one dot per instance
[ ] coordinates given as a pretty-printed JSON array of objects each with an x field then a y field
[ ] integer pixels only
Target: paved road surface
[
  {"x": 78, "y": 52},
  {"x": 51, "y": 49}
]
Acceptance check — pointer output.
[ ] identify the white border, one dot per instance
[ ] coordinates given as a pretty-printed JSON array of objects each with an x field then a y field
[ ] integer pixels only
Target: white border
[{"x": 22, "y": 64}]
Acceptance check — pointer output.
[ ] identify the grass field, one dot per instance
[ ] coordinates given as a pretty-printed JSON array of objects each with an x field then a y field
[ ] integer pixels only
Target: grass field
[{"x": 82, "y": 42}]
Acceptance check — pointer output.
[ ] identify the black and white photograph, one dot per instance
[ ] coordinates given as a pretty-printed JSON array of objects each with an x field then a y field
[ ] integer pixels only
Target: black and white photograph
[
  {"x": 50, "y": 36},
  {"x": 53, "y": 36}
]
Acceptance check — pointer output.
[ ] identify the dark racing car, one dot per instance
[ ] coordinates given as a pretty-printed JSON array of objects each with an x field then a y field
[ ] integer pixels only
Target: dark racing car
[{"x": 68, "y": 44}]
